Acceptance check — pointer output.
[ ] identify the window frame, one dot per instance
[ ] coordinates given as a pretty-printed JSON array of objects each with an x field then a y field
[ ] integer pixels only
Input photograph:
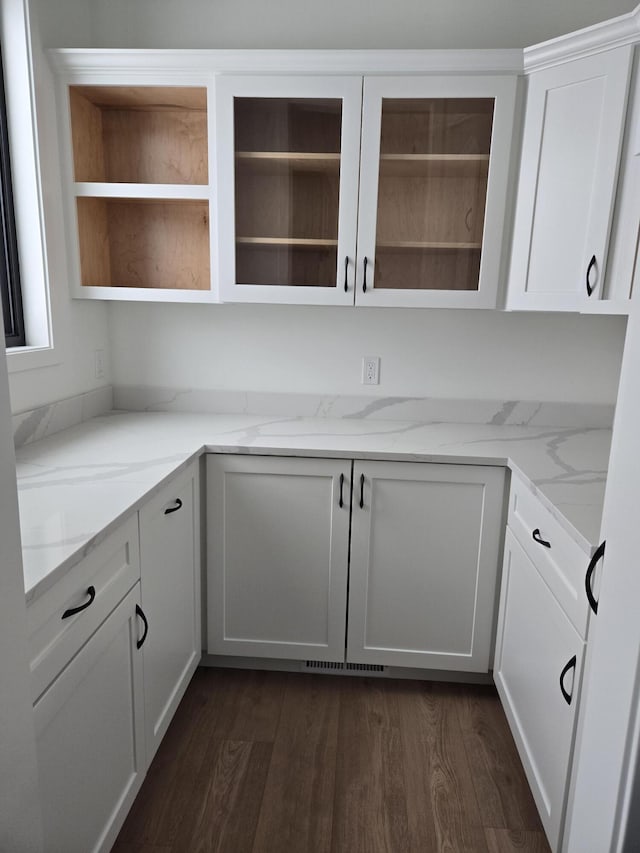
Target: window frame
[{"x": 9, "y": 262}]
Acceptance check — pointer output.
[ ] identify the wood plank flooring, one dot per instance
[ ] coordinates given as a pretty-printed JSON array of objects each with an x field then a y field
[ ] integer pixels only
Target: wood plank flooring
[{"x": 266, "y": 762}]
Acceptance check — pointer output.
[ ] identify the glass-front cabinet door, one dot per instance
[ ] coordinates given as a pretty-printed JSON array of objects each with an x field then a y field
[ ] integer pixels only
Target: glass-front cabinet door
[
  {"x": 433, "y": 188},
  {"x": 287, "y": 166}
]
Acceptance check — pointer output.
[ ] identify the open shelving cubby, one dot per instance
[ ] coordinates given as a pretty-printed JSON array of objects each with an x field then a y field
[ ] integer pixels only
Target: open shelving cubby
[{"x": 141, "y": 186}]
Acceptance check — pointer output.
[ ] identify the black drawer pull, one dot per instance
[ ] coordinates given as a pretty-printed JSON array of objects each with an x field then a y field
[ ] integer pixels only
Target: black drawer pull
[
  {"x": 341, "y": 502},
  {"x": 588, "y": 578},
  {"x": 361, "y": 491},
  {"x": 140, "y": 613},
  {"x": 364, "y": 278},
  {"x": 590, "y": 287},
  {"x": 174, "y": 508},
  {"x": 538, "y": 538},
  {"x": 91, "y": 592},
  {"x": 570, "y": 665},
  {"x": 346, "y": 274}
]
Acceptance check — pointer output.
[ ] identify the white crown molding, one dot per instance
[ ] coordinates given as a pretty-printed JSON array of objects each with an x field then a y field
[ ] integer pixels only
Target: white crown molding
[
  {"x": 616, "y": 32},
  {"x": 187, "y": 63}
]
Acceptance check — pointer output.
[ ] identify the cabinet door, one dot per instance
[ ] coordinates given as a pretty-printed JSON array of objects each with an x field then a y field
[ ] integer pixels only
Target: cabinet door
[
  {"x": 538, "y": 655},
  {"x": 287, "y": 177},
  {"x": 90, "y": 738},
  {"x": 278, "y": 537},
  {"x": 623, "y": 264},
  {"x": 170, "y": 582},
  {"x": 433, "y": 189},
  {"x": 572, "y": 137},
  {"x": 425, "y": 543}
]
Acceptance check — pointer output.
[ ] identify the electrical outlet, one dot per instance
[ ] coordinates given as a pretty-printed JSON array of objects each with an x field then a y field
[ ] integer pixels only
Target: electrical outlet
[
  {"x": 370, "y": 370},
  {"x": 99, "y": 363}
]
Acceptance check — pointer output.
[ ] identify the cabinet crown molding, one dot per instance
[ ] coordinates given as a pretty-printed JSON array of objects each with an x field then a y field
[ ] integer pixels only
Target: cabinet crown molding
[
  {"x": 616, "y": 32},
  {"x": 182, "y": 64}
]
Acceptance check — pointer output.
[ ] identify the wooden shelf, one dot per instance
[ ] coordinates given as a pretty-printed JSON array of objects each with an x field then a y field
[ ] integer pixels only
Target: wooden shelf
[
  {"x": 427, "y": 245},
  {"x": 179, "y": 192},
  {"x": 284, "y": 162},
  {"x": 434, "y": 165},
  {"x": 283, "y": 242}
]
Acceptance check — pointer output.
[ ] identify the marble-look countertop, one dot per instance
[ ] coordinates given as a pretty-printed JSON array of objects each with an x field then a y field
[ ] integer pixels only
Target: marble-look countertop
[{"x": 78, "y": 485}]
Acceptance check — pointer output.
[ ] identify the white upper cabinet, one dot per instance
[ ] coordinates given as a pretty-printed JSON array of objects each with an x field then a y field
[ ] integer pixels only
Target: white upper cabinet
[
  {"x": 573, "y": 131},
  {"x": 287, "y": 176},
  {"x": 196, "y": 176},
  {"x": 135, "y": 136},
  {"x": 623, "y": 266},
  {"x": 433, "y": 160},
  {"x": 137, "y": 185},
  {"x": 433, "y": 187}
]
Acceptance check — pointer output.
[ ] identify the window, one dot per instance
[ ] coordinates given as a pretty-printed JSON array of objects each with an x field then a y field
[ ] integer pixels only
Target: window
[{"x": 9, "y": 267}]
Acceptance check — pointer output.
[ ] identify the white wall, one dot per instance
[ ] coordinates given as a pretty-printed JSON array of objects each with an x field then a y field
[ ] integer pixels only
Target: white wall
[
  {"x": 78, "y": 328},
  {"x": 20, "y": 827},
  {"x": 336, "y": 23},
  {"x": 473, "y": 354}
]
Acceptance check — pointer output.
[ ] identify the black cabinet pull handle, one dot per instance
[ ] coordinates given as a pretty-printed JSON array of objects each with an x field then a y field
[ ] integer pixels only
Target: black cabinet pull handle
[
  {"x": 140, "y": 613},
  {"x": 364, "y": 278},
  {"x": 538, "y": 538},
  {"x": 341, "y": 502},
  {"x": 346, "y": 274},
  {"x": 592, "y": 264},
  {"x": 174, "y": 508},
  {"x": 91, "y": 592},
  {"x": 570, "y": 665},
  {"x": 361, "y": 491},
  {"x": 593, "y": 562}
]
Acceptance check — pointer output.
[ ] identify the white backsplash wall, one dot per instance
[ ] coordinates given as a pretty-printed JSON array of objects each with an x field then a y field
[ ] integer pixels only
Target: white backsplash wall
[{"x": 480, "y": 355}]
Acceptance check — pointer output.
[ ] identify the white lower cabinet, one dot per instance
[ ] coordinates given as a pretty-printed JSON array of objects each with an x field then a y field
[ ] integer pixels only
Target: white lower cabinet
[
  {"x": 170, "y": 581},
  {"x": 425, "y": 548},
  {"x": 538, "y": 671},
  {"x": 277, "y": 556},
  {"x": 90, "y": 737},
  {"x": 114, "y": 645},
  {"x": 425, "y": 542}
]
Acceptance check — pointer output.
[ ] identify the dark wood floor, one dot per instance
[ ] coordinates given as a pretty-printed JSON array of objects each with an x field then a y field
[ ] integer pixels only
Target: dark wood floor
[{"x": 291, "y": 763}]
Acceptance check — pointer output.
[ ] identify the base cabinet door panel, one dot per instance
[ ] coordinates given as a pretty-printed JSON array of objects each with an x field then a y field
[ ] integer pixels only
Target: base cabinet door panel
[
  {"x": 170, "y": 581},
  {"x": 538, "y": 670},
  {"x": 425, "y": 547},
  {"x": 277, "y": 556},
  {"x": 90, "y": 738}
]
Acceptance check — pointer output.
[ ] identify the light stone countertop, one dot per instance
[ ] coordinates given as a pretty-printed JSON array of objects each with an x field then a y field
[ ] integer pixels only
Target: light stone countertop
[{"x": 78, "y": 485}]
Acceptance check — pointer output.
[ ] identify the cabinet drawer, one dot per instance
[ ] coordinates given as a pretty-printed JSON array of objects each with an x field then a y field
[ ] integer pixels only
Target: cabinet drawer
[
  {"x": 112, "y": 568},
  {"x": 561, "y": 562}
]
